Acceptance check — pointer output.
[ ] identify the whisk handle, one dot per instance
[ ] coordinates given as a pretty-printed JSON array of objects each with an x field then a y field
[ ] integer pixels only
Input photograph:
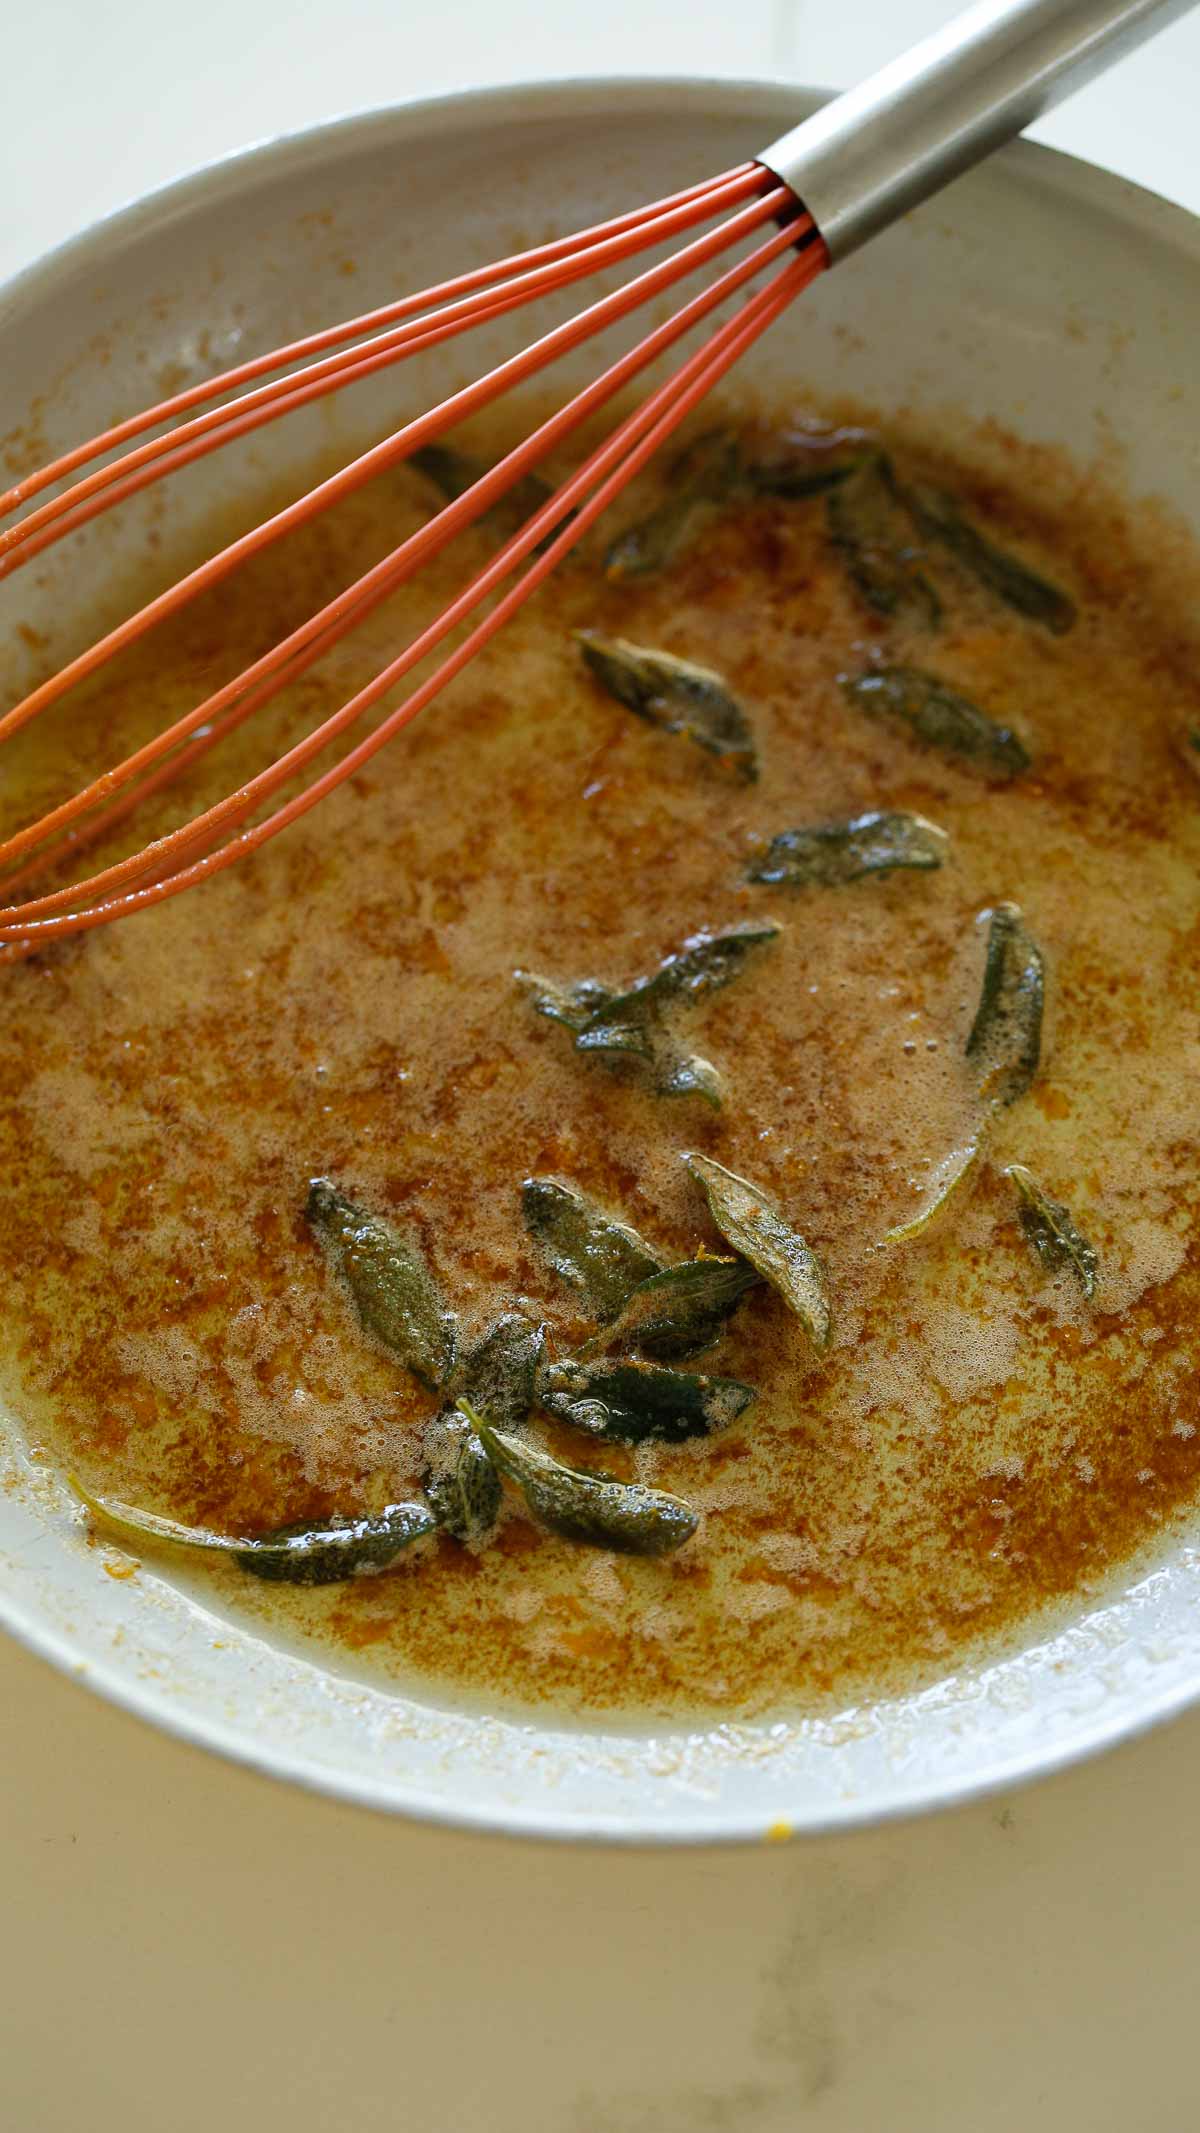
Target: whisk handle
[{"x": 905, "y": 132}]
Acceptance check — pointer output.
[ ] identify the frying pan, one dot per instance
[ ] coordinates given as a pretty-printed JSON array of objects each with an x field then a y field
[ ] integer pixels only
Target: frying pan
[{"x": 1039, "y": 294}]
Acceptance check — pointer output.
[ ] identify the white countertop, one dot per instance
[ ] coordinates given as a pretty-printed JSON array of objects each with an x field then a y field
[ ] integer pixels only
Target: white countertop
[{"x": 185, "y": 1947}]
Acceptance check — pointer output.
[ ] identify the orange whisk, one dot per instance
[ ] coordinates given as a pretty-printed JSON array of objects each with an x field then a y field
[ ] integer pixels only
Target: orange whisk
[{"x": 856, "y": 165}]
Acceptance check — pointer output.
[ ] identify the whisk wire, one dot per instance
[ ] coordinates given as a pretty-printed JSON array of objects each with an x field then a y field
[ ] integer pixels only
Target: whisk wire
[
  {"x": 204, "y": 844},
  {"x": 192, "y": 440},
  {"x": 612, "y": 465},
  {"x": 313, "y": 637},
  {"x": 400, "y": 445},
  {"x": 738, "y": 182}
]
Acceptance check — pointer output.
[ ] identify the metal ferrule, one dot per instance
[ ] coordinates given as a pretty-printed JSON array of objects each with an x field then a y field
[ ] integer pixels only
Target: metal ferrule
[{"x": 884, "y": 147}]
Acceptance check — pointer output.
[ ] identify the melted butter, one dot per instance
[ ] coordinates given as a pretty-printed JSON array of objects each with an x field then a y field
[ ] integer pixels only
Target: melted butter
[{"x": 977, "y": 1447}]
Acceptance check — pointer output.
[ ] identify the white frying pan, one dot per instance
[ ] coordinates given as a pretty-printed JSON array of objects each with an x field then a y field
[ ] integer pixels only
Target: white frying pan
[{"x": 1061, "y": 301}]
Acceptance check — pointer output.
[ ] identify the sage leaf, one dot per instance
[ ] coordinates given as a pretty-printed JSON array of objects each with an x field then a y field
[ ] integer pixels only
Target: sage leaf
[
  {"x": 603, "y": 1259},
  {"x": 943, "y": 1183},
  {"x": 630, "y": 1024},
  {"x": 873, "y": 533},
  {"x": 799, "y": 465},
  {"x": 1189, "y": 747},
  {"x": 572, "y": 1005},
  {"x": 834, "y": 853},
  {"x": 1005, "y": 1044},
  {"x": 679, "y": 1311},
  {"x": 1052, "y": 1232},
  {"x": 320, "y": 1552},
  {"x": 706, "y": 963},
  {"x": 674, "y": 695},
  {"x": 940, "y": 517},
  {"x": 637, "y": 1402},
  {"x": 500, "y": 1372},
  {"x": 591, "y": 1508},
  {"x": 461, "y": 1483},
  {"x": 938, "y": 716},
  {"x": 394, "y": 1293},
  {"x": 606, "y": 1034},
  {"x": 747, "y": 1219},
  {"x": 701, "y": 479},
  {"x": 683, "y": 1073},
  {"x": 454, "y": 472},
  {"x": 1005, "y": 1040}
]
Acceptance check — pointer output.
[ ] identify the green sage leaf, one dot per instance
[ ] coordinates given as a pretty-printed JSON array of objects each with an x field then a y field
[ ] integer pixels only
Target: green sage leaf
[
  {"x": 461, "y": 1483},
  {"x": 631, "y": 1024},
  {"x": 939, "y": 517},
  {"x": 637, "y": 1402},
  {"x": 873, "y": 533},
  {"x": 943, "y": 1183},
  {"x": 1005, "y": 1041},
  {"x": 831, "y": 854},
  {"x": 572, "y": 1005},
  {"x": 590, "y": 1508},
  {"x": 748, "y": 1221},
  {"x": 394, "y": 1293},
  {"x": 454, "y": 472},
  {"x": 681, "y": 1073},
  {"x": 938, "y": 716},
  {"x": 320, "y": 1552},
  {"x": 500, "y": 1372},
  {"x": 1051, "y": 1231},
  {"x": 675, "y": 695},
  {"x": 803, "y": 463},
  {"x": 679, "y": 1311},
  {"x": 706, "y": 963},
  {"x": 699, "y": 481},
  {"x": 604, "y": 1259}
]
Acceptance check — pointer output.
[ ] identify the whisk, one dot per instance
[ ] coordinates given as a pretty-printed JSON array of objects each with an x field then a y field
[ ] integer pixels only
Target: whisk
[{"x": 806, "y": 203}]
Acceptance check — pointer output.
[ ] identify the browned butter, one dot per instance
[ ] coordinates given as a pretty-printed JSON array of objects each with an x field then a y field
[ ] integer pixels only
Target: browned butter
[{"x": 979, "y": 1441}]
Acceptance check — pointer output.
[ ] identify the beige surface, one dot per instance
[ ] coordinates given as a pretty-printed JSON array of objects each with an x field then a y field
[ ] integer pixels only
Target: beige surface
[{"x": 186, "y": 1947}]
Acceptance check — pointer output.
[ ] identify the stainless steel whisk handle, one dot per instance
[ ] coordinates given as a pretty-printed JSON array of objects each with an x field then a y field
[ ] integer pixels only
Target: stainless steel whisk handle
[{"x": 905, "y": 132}]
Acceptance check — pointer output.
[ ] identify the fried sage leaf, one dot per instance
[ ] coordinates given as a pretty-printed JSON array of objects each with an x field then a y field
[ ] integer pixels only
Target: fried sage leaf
[
  {"x": 637, "y": 1403},
  {"x": 706, "y": 963},
  {"x": 604, "y": 1259},
  {"x": 572, "y": 1005},
  {"x": 500, "y": 1372},
  {"x": 873, "y": 533},
  {"x": 803, "y": 463},
  {"x": 454, "y": 472},
  {"x": 1052, "y": 1232},
  {"x": 679, "y": 1311},
  {"x": 675, "y": 695},
  {"x": 937, "y": 715},
  {"x": 939, "y": 517},
  {"x": 1005, "y": 1041},
  {"x": 394, "y": 1292},
  {"x": 1189, "y": 747},
  {"x": 591, "y": 1508},
  {"x": 318, "y": 1553},
  {"x": 748, "y": 1221},
  {"x": 701, "y": 479},
  {"x": 680, "y": 1073},
  {"x": 833, "y": 853},
  {"x": 461, "y": 1482},
  {"x": 941, "y": 1186},
  {"x": 630, "y": 1024}
]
